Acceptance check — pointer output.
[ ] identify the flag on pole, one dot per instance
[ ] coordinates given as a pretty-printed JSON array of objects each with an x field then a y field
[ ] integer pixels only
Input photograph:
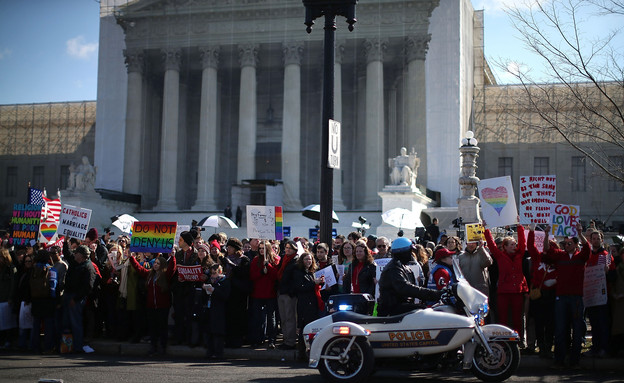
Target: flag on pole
[
  {"x": 51, "y": 212},
  {"x": 35, "y": 197}
]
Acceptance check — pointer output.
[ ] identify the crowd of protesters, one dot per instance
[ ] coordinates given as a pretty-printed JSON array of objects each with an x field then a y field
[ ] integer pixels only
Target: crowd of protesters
[{"x": 250, "y": 291}]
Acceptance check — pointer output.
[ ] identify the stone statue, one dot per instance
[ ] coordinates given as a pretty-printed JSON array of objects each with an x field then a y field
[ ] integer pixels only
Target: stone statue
[
  {"x": 404, "y": 168},
  {"x": 81, "y": 178}
]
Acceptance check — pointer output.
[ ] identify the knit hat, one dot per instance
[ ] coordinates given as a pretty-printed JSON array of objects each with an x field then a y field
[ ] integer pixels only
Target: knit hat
[
  {"x": 92, "y": 234},
  {"x": 214, "y": 243},
  {"x": 202, "y": 246},
  {"x": 187, "y": 237},
  {"x": 442, "y": 253}
]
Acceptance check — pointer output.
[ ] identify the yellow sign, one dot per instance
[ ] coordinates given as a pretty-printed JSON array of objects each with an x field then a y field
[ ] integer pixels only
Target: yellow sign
[{"x": 474, "y": 232}]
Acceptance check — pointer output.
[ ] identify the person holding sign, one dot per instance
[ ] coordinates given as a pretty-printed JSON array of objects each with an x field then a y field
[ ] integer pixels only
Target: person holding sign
[
  {"x": 360, "y": 274},
  {"x": 474, "y": 263},
  {"x": 512, "y": 286},
  {"x": 237, "y": 271},
  {"x": 570, "y": 264},
  {"x": 158, "y": 281},
  {"x": 598, "y": 311},
  {"x": 263, "y": 274},
  {"x": 323, "y": 260},
  {"x": 183, "y": 291}
]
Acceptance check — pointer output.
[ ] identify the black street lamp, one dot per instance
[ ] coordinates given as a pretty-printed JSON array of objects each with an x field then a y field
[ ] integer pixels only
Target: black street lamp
[{"x": 330, "y": 9}]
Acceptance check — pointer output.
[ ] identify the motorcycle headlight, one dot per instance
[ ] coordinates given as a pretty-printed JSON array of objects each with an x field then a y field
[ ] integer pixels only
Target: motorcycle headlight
[{"x": 484, "y": 309}]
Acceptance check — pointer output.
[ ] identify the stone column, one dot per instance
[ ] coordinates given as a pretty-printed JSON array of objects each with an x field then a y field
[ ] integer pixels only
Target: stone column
[
  {"x": 169, "y": 137},
  {"x": 247, "y": 115},
  {"x": 208, "y": 142},
  {"x": 374, "y": 130},
  {"x": 134, "y": 123},
  {"x": 291, "y": 127},
  {"x": 338, "y": 202},
  {"x": 416, "y": 106}
]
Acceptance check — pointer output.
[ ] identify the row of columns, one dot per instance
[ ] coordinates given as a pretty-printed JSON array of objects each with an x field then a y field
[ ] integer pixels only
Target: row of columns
[{"x": 291, "y": 129}]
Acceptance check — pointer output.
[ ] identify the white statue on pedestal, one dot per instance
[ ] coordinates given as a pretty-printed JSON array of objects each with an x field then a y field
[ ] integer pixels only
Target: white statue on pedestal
[
  {"x": 404, "y": 168},
  {"x": 81, "y": 178}
]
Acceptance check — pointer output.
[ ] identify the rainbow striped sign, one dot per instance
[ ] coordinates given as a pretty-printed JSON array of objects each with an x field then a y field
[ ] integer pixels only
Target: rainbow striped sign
[
  {"x": 153, "y": 237},
  {"x": 265, "y": 222}
]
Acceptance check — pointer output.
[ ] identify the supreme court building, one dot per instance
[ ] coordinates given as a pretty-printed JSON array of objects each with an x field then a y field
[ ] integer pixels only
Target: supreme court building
[{"x": 200, "y": 98}]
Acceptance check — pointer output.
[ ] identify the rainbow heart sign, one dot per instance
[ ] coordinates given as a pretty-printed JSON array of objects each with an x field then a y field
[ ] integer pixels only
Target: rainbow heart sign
[
  {"x": 498, "y": 202},
  {"x": 497, "y": 198},
  {"x": 48, "y": 230}
]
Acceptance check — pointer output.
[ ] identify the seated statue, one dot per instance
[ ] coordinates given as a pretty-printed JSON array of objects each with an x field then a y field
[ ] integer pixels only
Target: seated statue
[
  {"x": 82, "y": 177},
  {"x": 404, "y": 168}
]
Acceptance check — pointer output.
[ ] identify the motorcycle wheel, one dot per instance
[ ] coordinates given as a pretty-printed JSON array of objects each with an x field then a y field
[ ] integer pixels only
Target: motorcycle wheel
[
  {"x": 355, "y": 367},
  {"x": 498, "y": 367}
]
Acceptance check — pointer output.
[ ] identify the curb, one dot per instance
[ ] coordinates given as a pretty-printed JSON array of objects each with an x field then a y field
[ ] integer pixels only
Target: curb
[{"x": 605, "y": 364}]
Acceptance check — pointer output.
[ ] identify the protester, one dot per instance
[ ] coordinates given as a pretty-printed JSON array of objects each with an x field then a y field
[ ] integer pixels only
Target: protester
[
  {"x": 474, "y": 262},
  {"x": 78, "y": 284},
  {"x": 263, "y": 274},
  {"x": 442, "y": 273},
  {"x": 237, "y": 271},
  {"x": 7, "y": 291},
  {"x": 218, "y": 292},
  {"x": 43, "y": 292},
  {"x": 24, "y": 307},
  {"x": 308, "y": 290},
  {"x": 360, "y": 276},
  {"x": 184, "y": 291},
  {"x": 383, "y": 246},
  {"x": 287, "y": 298}
]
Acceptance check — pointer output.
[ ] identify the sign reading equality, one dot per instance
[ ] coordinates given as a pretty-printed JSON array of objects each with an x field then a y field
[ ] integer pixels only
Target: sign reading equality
[
  {"x": 74, "y": 222},
  {"x": 152, "y": 237}
]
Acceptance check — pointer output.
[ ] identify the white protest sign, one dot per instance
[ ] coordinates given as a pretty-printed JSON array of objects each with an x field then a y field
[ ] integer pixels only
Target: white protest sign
[
  {"x": 74, "y": 222},
  {"x": 341, "y": 270},
  {"x": 537, "y": 193},
  {"x": 595, "y": 286},
  {"x": 328, "y": 273},
  {"x": 381, "y": 264},
  {"x": 498, "y": 202},
  {"x": 265, "y": 222}
]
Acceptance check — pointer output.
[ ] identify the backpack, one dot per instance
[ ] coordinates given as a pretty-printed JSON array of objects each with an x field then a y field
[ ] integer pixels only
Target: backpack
[{"x": 40, "y": 282}]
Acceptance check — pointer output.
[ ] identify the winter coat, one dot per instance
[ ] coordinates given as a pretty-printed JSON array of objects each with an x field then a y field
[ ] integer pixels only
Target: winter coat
[
  {"x": 157, "y": 298},
  {"x": 218, "y": 300},
  {"x": 7, "y": 283},
  {"x": 307, "y": 301},
  {"x": 510, "y": 277},
  {"x": 474, "y": 266},
  {"x": 264, "y": 285},
  {"x": 366, "y": 279}
]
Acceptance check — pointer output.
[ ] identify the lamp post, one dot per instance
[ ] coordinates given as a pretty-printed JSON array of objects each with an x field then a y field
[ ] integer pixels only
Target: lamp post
[
  {"x": 330, "y": 9},
  {"x": 468, "y": 203}
]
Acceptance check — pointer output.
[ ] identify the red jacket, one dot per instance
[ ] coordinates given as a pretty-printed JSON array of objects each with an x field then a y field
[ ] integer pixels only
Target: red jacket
[
  {"x": 264, "y": 285},
  {"x": 156, "y": 297},
  {"x": 540, "y": 271},
  {"x": 510, "y": 276},
  {"x": 570, "y": 270}
]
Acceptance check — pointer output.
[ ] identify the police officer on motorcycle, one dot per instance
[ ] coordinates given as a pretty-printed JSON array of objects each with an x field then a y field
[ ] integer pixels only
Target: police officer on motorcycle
[{"x": 397, "y": 285}]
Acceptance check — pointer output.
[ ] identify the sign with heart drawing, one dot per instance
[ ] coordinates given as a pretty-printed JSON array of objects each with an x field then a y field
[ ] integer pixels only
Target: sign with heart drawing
[{"x": 498, "y": 203}]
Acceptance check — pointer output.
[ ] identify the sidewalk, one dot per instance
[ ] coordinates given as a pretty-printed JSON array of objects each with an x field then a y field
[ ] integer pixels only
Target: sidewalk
[{"x": 107, "y": 347}]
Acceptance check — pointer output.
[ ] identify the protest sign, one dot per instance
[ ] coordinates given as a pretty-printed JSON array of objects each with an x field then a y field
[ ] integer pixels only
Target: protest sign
[
  {"x": 48, "y": 232},
  {"x": 189, "y": 273},
  {"x": 537, "y": 193},
  {"x": 563, "y": 220},
  {"x": 74, "y": 222},
  {"x": 474, "y": 232},
  {"x": 341, "y": 270},
  {"x": 498, "y": 203},
  {"x": 179, "y": 230},
  {"x": 381, "y": 264},
  {"x": 25, "y": 224},
  {"x": 595, "y": 286},
  {"x": 152, "y": 237},
  {"x": 330, "y": 277},
  {"x": 539, "y": 240},
  {"x": 265, "y": 222}
]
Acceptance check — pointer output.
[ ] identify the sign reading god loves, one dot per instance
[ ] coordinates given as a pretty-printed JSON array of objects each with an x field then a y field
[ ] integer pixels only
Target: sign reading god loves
[
  {"x": 74, "y": 222},
  {"x": 152, "y": 237},
  {"x": 25, "y": 223},
  {"x": 563, "y": 220},
  {"x": 537, "y": 193}
]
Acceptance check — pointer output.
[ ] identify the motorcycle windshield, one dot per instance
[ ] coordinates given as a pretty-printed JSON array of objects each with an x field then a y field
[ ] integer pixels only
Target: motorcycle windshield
[{"x": 472, "y": 298}]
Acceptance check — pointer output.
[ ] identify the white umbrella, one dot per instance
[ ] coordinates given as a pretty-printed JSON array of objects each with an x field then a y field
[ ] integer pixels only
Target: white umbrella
[
  {"x": 401, "y": 218},
  {"x": 314, "y": 212},
  {"x": 124, "y": 222},
  {"x": 217, "y": 221}
]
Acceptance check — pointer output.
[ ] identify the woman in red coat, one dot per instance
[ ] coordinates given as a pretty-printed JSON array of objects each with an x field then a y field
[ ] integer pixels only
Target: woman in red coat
[
  {"x": 158, "y": 298},
  {"x": 512, "y": 286}
]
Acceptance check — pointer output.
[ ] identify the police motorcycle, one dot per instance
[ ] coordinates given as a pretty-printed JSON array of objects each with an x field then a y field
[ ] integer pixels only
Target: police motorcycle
[{"x": 344, "y": 345}]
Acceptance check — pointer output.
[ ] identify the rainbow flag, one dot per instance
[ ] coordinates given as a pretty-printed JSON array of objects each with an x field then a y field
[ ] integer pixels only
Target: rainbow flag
[
  {"x": 153, "y": 237},
  {"x": 279, "y": 223}
]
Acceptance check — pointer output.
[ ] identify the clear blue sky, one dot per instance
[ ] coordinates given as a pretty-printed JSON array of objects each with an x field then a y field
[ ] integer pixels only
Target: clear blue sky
[{"x": 48, "y": 48}]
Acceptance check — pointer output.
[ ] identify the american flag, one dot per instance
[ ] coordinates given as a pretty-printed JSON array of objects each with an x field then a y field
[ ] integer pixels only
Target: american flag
[
  {"x": 51, "y": 211},
  {"x": 35, "y": 197}
]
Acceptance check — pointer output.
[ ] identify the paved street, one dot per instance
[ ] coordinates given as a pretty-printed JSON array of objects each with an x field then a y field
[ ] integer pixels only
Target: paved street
[{"x": 99, "y": 368}]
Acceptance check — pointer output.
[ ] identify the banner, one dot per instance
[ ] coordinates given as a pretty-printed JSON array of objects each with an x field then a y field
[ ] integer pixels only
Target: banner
[
  {"x": 25, "y": 224},
  {"x": 537, "y": 193},
  {"x": 563, "y": 220},
  {"x": 189, "y": 273},
  {"x": 74, "y": 222},
  {"x": 595, "y": 286},
  {"x": 498, "y": 203},
  {"x": 265, "y": 222},
  {"x": 152, "y": 237},
  {"x": 474, "y": 232}
]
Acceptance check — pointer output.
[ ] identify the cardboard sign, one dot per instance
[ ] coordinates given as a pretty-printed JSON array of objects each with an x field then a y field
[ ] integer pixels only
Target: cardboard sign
[
  {"x": 265, "y": 222},
  {"x": 498, "y": 202},
  {"x": 595, "y": 286},
  {"x": 152, "y": 237},
  {"x": 563, "y": 220},
  {"x": 25, "y": 224},
  {"x": 330, "y": 277},
  {"x": 474, "y": 232},
  {"x": 537, "y": 193},
  {"x": 74, "y": 222},
  {"x": 189, "y": 273}
]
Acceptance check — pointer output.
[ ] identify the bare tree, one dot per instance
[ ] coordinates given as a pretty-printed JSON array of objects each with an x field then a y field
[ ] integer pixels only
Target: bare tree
[{"x": 582, "y": 98}]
